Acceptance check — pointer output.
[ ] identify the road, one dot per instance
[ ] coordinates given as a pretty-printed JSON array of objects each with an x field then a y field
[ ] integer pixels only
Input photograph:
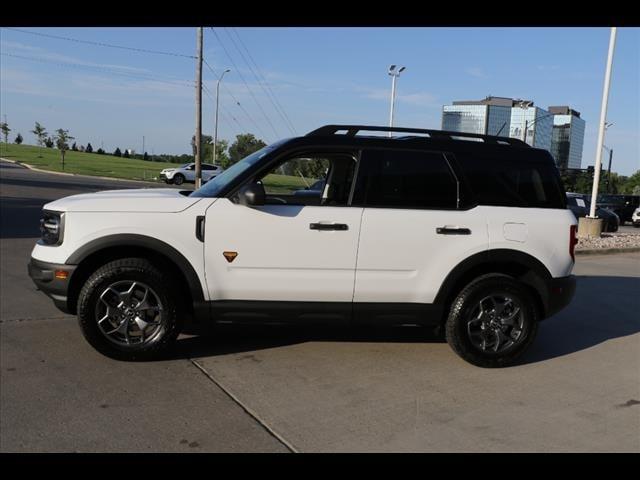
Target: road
[{"x": 276, "y": 389}]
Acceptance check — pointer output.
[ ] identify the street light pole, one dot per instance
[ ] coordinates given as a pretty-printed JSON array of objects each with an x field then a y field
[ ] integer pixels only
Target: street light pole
[
  {"x": 603, "y": 118},
  {"x": 215, "y": 133},
  {"x": 394, "y": 74}
]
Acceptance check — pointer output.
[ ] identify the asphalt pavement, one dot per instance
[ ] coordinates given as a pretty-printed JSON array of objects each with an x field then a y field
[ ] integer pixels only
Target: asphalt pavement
[{"x": 321, "y": 390}]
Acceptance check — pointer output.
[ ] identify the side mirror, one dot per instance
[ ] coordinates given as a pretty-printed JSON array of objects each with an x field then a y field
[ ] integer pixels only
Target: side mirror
[{"x": 252, "y": 195}]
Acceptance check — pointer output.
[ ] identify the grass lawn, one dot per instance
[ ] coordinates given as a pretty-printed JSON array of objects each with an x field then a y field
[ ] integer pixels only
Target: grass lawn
[
  {"x": 83, "y": 163},
  {"x": 276, "y": 183},
  {"x": 118, "y": 167}
]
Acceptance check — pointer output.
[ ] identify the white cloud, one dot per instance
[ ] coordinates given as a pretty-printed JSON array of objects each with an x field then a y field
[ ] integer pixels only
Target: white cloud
[{"x": 476, "y": 72}]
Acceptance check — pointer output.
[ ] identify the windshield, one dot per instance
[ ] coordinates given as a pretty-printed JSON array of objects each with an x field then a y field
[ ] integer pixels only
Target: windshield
[{"x": 216, "y": 185}]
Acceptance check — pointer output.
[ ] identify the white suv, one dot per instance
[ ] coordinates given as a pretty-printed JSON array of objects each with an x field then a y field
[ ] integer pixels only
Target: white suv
[
  {"x": 465, "y": 233},
  {"x": 187, "y": 173}
]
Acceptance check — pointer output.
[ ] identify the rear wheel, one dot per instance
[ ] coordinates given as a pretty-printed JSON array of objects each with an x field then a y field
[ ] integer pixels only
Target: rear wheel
[
  {"x": 492, "y": 321},
  {"x": 126, "y": 310},
  {"x": 178, "y": 179}
]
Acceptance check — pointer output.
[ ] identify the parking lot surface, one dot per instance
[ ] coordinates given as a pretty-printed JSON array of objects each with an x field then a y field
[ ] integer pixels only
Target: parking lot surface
[{"x": 281, "y": 389}]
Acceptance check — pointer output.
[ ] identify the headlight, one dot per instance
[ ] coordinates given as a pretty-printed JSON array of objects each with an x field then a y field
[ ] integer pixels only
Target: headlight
[{"x": 52, "y": 227}]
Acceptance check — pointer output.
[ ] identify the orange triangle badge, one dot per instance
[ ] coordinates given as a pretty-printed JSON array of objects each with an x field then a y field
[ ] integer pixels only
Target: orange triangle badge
[{"x": 230, "y": 256}]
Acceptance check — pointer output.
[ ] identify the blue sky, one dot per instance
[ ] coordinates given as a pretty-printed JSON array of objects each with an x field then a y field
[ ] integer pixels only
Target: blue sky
[{"x": 318, "y": 75}]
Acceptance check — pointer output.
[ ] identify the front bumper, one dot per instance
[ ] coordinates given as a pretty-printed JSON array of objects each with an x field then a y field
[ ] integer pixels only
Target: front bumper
[
  {"x": 48, "y": 278},
  {"x": 560, "y": 292}
]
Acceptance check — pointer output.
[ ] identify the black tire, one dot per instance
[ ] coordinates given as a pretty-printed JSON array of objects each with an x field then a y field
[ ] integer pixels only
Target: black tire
[
  {"x": 178, "y": 179},
  {"x": 465, "y": 305},
  {"x": 137, "y": 270},
  {"x": 636, "y": 225},
  {"x": 168, "y": 181}
]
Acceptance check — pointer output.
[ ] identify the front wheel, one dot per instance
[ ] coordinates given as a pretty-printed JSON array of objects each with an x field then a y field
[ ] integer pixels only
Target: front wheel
[
  {"x": 492, "y": 321},
  {"x": 127, "y": 311},
  {"x": 178, "y": 179}
]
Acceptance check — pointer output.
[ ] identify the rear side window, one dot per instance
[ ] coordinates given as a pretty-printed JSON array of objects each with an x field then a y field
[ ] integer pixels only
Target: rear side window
[
  {"x": 516, "y": 181},
  {"x": 405, "y": 179}
]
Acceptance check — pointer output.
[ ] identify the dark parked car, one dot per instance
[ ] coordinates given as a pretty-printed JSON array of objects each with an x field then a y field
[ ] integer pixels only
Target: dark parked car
[
  {"x": 580, "y": 205},
  {"x": 622, "y": 205}
]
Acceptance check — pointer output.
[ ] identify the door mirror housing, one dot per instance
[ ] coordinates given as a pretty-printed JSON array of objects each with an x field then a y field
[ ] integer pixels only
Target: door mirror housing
[{"x": 252, "y": 195}]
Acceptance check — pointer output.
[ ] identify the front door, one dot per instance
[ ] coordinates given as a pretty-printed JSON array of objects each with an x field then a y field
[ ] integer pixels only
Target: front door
[{"x": 299, "y": 247}]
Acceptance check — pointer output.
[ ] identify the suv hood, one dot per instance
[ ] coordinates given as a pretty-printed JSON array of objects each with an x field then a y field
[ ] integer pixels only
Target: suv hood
[{"x": 138, "y": 200}]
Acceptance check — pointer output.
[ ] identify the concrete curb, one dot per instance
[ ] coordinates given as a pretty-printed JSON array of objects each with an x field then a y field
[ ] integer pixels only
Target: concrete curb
[
  {"x": 78, "y": 175},
  {"x": 607, "y": 251}
]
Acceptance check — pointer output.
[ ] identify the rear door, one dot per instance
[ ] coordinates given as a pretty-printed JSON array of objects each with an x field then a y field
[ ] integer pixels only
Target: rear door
[{"x": 414, "y": 230}]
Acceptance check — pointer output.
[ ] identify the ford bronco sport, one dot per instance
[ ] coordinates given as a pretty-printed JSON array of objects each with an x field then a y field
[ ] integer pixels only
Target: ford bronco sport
[{"x": 467, "y": 233}]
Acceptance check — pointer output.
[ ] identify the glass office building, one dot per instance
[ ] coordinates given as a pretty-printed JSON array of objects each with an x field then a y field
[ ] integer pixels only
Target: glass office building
[
  {"x": 539, "y": 125},
  {"x": 490, "y": 116},
  {"x": 568, "y": 137}
]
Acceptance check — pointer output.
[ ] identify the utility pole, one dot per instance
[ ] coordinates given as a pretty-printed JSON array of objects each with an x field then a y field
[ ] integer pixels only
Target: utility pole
[
  {"x": 199, "y": 111},
  {"x": 609, "y": 170},
  {"x": 603, "y": 118},
  {"x": 143, "y": 146}
]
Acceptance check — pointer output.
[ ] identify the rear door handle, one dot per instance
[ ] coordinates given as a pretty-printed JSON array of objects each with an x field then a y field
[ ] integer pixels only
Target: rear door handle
[
  {"x": 453, "y": 231},
  {"x": 328, "y": 226}
]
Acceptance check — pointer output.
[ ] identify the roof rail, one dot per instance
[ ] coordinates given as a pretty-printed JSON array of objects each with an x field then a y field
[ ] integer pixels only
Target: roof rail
[{"x": 352, "y": 130}]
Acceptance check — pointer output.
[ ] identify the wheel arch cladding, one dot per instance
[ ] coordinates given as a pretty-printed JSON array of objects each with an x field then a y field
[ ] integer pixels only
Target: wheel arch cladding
[
  {"x": 98, "y": 252},
  {"x": 523, "y": 267}
]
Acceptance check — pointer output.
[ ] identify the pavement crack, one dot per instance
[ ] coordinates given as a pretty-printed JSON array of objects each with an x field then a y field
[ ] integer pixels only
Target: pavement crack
[
  {"x": 34, "y": 319},
  {"x": 244, "y": 407}
]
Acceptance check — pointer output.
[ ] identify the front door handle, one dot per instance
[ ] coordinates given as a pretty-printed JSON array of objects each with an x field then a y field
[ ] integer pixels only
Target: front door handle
[
  {"x": 453, "y": 231},
  {"x": 328, "y": 226}
]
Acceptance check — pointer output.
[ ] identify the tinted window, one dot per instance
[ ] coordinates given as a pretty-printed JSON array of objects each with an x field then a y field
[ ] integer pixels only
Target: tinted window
[
  {"x": 513, "y": 181},
  {"x": 405, "y": 179}
]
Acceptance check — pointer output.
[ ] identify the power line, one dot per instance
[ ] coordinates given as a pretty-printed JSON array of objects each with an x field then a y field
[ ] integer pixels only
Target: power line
[
  {"x": 237, "y": 102},
  {"x": 223, "y": 111},
  {"x": 187, "y": 83},
  {"x": 245, "y": 83},
  {"x": 100, "y": 44},
  {"x": 262, "y": 82}
]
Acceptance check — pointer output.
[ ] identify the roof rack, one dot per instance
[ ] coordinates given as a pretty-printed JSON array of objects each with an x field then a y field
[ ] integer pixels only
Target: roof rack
[{"x": 352, "y": 130}]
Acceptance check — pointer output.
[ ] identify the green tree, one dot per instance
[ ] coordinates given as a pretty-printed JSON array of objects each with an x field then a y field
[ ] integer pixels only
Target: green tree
[
  {"x": 100, "y": 151},
  {"x": 117, "y": 152},
  {"x": 207, "y": 151},
  {"x": 222, "y": 157},
  {"x": 62, "y": 142},
  {"x": 4, "y": 126},
  {"x": 18, "y": 139},
  {"x": 125, "y": 154},
  {"x": 41, "y": 134},
  {"x": 74, "y": 147},
  {"x": 48, "y": 142},
  {"x": 89, "y": 148},
  {"x": 631, "y": 185},
  {"x": 245, "y": 144},
  {"x": 145, "y": 156}
]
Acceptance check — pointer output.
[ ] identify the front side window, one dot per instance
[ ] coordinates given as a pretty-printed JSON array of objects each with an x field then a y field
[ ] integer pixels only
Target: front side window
[
  {"x": 310, "y": 179},
  {"x": 405, "y": 179}
]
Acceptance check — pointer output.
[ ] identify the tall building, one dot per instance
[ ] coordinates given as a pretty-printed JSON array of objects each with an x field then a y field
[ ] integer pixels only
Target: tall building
[
  {"x": 567, "y": 138},
  {"x": 490, "y": 116},
  {"x": 537, "y": 121},
  {"x": 500, "y": 116}
]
